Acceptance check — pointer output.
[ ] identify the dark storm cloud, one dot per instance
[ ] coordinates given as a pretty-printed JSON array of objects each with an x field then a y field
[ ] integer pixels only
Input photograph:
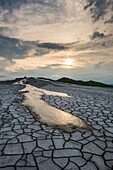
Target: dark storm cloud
[
  {"x": 98, "y": 8},
  {"x": 53, "y": 46},
  {"x": 102, "y": 37},
  {"x": 97, "y": 34},
  {"x": 13, "y": 48}
]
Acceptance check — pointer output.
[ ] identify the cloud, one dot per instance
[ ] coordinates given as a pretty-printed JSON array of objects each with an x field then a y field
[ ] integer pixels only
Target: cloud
[
  {"x": 48, "y": 12},
  {"x": 53, "y": 60},
  {"x": 97, "y": 34},
  {"x": 13, "y": 48},
  {"x": 98, "y": 8},
  {"x": 53, "y": 46},
  {"x": 95, "y": 62},
  {"x": 99, "y": 64},
  {"x": 4, "y": 29},
  {"x": 109, "y": 21},
  {"x": 4, "y": 63},
  {"x": 36, "y": 63},
  {"x": 12, "y": 4},
  {"x": 55, "y": 65},
  {"x": 37, "y": 36},
  {"x": 2, "y": 58},
  {"x": 101, "y": 39},
  {"x": 46, "y": 20},
  {"x": 2, "y": 76}
]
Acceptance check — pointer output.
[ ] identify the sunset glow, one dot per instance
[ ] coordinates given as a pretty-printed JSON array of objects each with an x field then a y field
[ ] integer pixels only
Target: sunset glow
[
  {"x": 69, "y": 62},
  {"x": 49, "y": 38}
]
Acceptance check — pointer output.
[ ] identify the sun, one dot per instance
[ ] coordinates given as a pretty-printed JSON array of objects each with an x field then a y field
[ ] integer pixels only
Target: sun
[{"x": 69, "y": 62}]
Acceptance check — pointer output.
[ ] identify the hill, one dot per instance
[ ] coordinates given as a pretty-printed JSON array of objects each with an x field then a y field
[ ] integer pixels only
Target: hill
[
  {"x": 42, "y": 81},
  {"x": 12, "y": 81},
  {"x": 84, "y": 83}
]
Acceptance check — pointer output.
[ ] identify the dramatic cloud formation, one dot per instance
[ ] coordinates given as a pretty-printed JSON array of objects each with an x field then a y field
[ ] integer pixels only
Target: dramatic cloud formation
[
  {"x": 39, "y": 37},
  {"x": 44, "y": 20},
  {"x": 99, "y": 8}
]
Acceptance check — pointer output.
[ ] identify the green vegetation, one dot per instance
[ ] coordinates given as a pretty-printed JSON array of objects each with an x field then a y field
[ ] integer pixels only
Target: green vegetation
[{"x": 84, "y": 83}]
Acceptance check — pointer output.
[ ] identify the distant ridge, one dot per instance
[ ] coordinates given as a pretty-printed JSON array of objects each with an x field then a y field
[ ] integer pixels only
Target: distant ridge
[
  {"x": 12, "y": 81},
  {"x": 84, "y": 83},
  {"x": 33, "y": 81}
]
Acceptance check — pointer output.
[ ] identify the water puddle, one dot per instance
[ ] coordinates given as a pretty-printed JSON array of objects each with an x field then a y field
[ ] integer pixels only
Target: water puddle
[{"x": 48, "y": 114}]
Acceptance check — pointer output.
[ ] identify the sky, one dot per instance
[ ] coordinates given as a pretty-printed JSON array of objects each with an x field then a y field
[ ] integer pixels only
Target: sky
[{"x": 57, "y": 38}]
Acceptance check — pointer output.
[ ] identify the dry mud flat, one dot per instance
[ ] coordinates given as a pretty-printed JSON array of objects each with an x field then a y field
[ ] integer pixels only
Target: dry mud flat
[{"x": 27, "y": 144}]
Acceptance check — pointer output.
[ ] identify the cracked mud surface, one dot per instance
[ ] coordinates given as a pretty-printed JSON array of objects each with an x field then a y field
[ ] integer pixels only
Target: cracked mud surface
[{"x": 27, "y": 144}]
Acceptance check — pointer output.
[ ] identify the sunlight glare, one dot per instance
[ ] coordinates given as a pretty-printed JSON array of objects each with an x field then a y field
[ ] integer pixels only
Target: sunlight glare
[{"x": 69, "y": 62}]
